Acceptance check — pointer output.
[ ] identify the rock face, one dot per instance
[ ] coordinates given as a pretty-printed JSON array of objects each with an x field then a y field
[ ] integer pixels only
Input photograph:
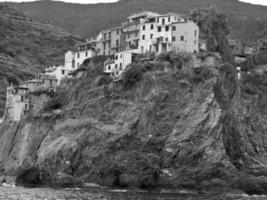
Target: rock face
[{"x": 169, "y": 130}]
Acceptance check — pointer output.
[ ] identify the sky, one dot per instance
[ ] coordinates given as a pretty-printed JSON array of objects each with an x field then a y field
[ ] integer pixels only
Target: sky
[
  {"x": 261, "y": 2},
  {"x": 73, "y": 1}
]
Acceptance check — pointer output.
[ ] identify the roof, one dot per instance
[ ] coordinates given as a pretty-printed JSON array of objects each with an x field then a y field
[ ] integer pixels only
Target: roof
[
  {"x": 31, "y": 81},
  {"x": 48, "y": 77},
  {"x": 143, "y": 14},
  {"x": 172, "y": 14},
  {"x": 111, "y": 29}
]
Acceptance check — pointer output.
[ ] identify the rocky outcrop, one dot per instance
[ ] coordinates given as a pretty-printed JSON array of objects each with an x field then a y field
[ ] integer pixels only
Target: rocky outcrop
[{"x": 161, "y": 133}]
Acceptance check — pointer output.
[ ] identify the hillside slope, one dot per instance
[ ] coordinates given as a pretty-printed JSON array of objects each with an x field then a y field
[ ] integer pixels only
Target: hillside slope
[
  {"x": 27, "y": 47},
  {"x": 246, "y": 20},
  {"x": 164, "y": 125}
]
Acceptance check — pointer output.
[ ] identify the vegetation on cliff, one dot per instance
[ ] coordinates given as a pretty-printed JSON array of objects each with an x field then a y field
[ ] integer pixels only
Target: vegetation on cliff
[
  {"x": 247, "y": 21},
  {"x": 26, "y": 48}
]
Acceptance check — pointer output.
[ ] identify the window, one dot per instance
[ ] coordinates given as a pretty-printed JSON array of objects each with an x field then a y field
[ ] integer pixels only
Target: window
[
  {"x": 120, "y": 66},
  {"x": 105, "y": 36},
  {"x": 117, "y": 42},
  {"x": 182, "y": 38},
  {"x": 86, "y": 53},
  {"x": 129, "y": 35},
  {"x": 136, "y": 34},
  {"x": 167, "y": 28},
  {"x": 152, "y": 26},
  {"x": 169, "y": 19},
  {"x": 142, "y": 49},
  {"x": 118, "y": 31},
  {"x": 143, "y": 37},
  {"x": 26, "y": 106},
  {"x": 159, "y": 29},
  {"x": 151, "y": 36},
  {"x": 163, "y": 21},
  {"x": 166, "y": 39},
  {"x": 173, "y": 38},
  {"x": 116, "y": 57},
  {"x": 157, "y": 20},
  {"x": 63, "y": 72},
  {"x": 22, "y": 98},
  {"x": 174, "y": 28},
  {"x": 51, "y": 82},
  {"x": 150, "y": 48},
  {"x": 195, "y": 33},
  {"x": 116, "y": 66},
  {"x": 109, "y": 67},
  {"x": 121, "y": 55},
  {"x": 117, "y": 73},
  {"x": 144, "y": 27},
  {"x": 104, "y": 46},
  {"x": 78, "y": 55}
]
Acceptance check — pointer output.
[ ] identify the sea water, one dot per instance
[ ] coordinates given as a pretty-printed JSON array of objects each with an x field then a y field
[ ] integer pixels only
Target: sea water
[{"x": 17, "y": 193}]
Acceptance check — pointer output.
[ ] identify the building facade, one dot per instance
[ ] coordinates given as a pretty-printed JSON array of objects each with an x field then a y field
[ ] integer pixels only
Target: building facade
[
  {"x": 236, "y": 46},
  {"x": 111, "y": 41},
  {"x": 17, "y": 103},
  {"x": 118, "y": 63},
  {"x": 185, "y": 37}
]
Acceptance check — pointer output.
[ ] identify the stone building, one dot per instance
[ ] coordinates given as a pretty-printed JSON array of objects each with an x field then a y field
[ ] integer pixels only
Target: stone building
[{"x": 17, "y": 102}]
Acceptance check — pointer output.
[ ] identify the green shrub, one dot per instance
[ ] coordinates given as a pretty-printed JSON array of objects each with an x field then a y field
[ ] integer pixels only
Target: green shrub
[
  {"x": 52, "y": 105},
  {"x": 104, "y": 80},
  {"x": 133, "y": 75},
  {"x": 164, "y": 56}
]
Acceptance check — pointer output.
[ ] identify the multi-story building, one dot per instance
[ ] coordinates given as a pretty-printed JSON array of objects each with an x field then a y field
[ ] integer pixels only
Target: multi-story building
[
  {"x": 17, "y": 102},
  {"x": 169, "y": 32},
  {"x": 185, "y": 37},
  {"x": 261, "y": 46},
  {"x": 131, "y": 29},
  {"x": 116, "y": 64},
  {"x": 164, "y": 31},
  {"x": 32, "y": 85},
  {"x": 236, "y": 46},
  {"x": 111, "y": 41}
]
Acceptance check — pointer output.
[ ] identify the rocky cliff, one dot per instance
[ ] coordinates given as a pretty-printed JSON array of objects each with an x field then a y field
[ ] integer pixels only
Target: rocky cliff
[
  {"x": 176, "y": 129},
  {"x": 166, "y": 124}
]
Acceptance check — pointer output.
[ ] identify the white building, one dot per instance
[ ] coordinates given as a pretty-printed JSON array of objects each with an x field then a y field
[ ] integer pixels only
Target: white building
[
  {"x": 147, "y": 34},
  {"x": 17, "y": 103},
  {"x": 118, "y": 63},
  {"x": 169, "y": 32},
  {"x": 84, "y": 52},
  {"x": 131, "y": 29},
  {"x": 185, "y": 37}
]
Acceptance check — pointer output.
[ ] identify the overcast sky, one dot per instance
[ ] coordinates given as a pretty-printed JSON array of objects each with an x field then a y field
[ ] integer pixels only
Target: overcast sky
[{"x": 262, "y": 2}]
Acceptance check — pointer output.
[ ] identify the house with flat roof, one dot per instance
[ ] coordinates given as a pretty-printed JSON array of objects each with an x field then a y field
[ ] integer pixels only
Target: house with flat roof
[
  {"x": 185, "y": 37},
  {"x": 17, "y": 102},
  {"x": 237, "y": 46},
  {"x": 32, "y": 85},
  {"x": 111, "y": 41},
  {"x": 131, "y": 28},
  {"x": 117, "y": 64}
]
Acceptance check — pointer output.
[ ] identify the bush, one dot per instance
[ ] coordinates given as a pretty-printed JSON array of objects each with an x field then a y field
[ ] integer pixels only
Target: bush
[
  {"x": 104, "y": 80},
  {"x": 53, "y": 104},
  {"x": 133, "y": 75}
]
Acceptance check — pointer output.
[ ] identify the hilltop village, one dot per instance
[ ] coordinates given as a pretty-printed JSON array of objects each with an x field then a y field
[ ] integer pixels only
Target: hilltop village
[{"x": 142, "y": 33}]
